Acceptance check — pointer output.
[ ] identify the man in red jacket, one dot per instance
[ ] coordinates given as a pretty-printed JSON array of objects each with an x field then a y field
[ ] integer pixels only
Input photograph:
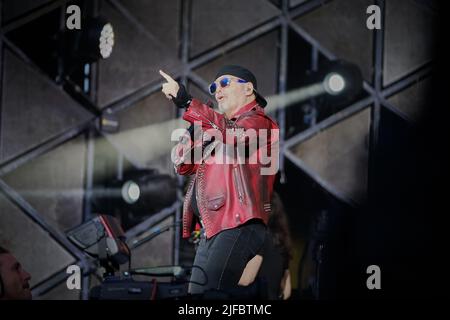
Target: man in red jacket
[{"x": 230, "y": 194}]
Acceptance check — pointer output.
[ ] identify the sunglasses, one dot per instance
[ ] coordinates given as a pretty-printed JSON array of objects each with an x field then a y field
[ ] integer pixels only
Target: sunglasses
[{"x": 224, "y": 82}]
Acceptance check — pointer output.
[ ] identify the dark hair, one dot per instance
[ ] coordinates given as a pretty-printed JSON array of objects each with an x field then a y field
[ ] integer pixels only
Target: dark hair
[{"x": 279, "y": 227}]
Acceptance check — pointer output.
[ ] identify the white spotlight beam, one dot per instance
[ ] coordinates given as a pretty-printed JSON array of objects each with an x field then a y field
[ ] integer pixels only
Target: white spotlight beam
[
  {"x": 287, "y": 99},
  {"x": 141, "y": 145},
  {"x": 153, "y": 141}
]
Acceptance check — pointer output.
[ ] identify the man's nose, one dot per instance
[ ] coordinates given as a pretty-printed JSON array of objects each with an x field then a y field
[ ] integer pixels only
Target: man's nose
[
  {"x": 26, "y": 275},
  {"x": 218, "y": 90}
]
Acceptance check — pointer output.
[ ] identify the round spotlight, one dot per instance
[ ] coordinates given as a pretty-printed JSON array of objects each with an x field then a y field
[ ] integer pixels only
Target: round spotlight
[
  {"x": 342, "y": 80},
  {"x": 106, "y": 41},
  {"x": 94, "y": 41},
  {"x": 130, "y": 192},
  {"x": 334, "y": 83}
]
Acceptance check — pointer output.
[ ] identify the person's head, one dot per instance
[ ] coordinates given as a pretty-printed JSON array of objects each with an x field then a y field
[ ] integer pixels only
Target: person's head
[
  {"x": 234, "y": 87},
  {"x": 13, "y": 279}
]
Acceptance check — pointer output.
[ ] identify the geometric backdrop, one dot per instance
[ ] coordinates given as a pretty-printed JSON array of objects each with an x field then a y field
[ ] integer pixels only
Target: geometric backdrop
[{"x": 51, "y": 148}]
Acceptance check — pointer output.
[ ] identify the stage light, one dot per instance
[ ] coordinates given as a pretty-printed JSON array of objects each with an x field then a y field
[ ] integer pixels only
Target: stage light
[
  {"x": 97, "y": 39},
  {"x": 334, "y": 83},
  {"x": 130, "y": 192},
  {"x": 102, "y": 237},
  {"x": 106, "y": 40},
  {"x": 343, "y": 79},
  {"x": 339, "y": 81},
  {"x": 94, "y": 41},
  {"x": 109, "y": 123},
  {"x": 137, "y": 195}
]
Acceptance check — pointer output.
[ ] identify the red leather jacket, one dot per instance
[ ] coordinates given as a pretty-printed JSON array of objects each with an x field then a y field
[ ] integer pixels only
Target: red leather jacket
[{"x": 229, "y": 194}]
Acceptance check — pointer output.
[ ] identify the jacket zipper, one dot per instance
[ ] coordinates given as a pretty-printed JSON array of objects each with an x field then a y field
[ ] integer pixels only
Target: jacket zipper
[
  {"x": 237, "y": 180},
  {"x": 209, "y": 121},
  {"x": 238, "y": 184},
  {"x": 185, "y": 224}
]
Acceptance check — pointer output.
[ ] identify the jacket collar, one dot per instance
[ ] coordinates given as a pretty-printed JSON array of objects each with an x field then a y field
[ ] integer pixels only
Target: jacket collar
[{"x": 244, "y": 109}]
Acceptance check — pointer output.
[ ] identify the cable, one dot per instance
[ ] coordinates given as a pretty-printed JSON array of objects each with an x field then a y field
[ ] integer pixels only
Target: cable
[
  {"x": 129, "y": 259},
  {"x": 204, "y": 273},
  {"x": 152, "y": 235},
  {"x": 194, "y": 282},
  {"x": 142, "y": 241},
  {"x": 151, "y": 274}
]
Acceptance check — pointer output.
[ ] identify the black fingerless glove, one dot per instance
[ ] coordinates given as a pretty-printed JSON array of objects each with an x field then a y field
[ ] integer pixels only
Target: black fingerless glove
[{"x": 183, "y": 98}]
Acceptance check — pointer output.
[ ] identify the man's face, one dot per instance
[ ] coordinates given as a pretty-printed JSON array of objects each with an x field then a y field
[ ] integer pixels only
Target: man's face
[
  {"x": 15, "y": 279},
  {"x": 233, "y": 96}
]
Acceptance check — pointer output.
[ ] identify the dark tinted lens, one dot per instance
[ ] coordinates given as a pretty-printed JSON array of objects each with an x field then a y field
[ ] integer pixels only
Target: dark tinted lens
[
  {"x": 212, "y": 88},
  {"x": 224, "y": 82}
]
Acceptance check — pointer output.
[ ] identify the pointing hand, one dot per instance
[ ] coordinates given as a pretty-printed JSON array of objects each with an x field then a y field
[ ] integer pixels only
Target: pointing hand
[{"x": 171, "y": 87}]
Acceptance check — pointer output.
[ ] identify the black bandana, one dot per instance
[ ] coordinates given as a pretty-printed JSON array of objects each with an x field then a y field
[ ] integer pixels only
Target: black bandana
[{"x": 243, "y": 74}]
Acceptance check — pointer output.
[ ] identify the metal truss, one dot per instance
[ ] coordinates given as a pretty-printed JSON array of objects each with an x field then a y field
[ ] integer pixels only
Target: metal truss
[
  {"x": 61, "y": 276},
  {"x": 376, "y": 108},
  {"x": 144, "y": 226},
  {"x": 33, "y": 14},
  {"x": 283, "y": 22},
  {"x": 377, "y": 99},
  {"x": 56, "y": 235},
  {"x": 89, "y": 174},
  {"x": 186, "y": 9},
  {"x": 282, "y": 85},
  {"x": 43, "y": 148},
  {"x": 312, "y": 131},
  {"x": 20, "y": 202}
]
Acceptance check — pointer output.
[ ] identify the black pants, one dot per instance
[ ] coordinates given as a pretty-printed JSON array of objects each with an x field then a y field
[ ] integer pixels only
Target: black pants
[{"x": 220, "y": 261}]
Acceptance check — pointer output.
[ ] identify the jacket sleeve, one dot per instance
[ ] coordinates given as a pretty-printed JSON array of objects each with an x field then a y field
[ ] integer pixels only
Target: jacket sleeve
[
  {"x": 199, "y": 112},
  {"x": 213, "y": 120}
]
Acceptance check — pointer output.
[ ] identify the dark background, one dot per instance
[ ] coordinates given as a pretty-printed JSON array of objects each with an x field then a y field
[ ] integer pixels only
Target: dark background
[{"x": 363, "y": 179}]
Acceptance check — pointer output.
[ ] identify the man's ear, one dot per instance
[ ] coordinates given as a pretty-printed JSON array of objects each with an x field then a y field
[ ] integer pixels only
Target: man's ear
[{"x": 249, "y": 88}]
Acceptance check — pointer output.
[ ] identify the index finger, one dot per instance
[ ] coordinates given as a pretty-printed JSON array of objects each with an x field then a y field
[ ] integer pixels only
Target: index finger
[{"x": 166, "y": 76}]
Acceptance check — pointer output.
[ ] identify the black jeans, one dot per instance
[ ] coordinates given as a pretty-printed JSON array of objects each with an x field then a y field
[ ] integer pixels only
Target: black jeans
[{"x": 220, "y": 261}]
